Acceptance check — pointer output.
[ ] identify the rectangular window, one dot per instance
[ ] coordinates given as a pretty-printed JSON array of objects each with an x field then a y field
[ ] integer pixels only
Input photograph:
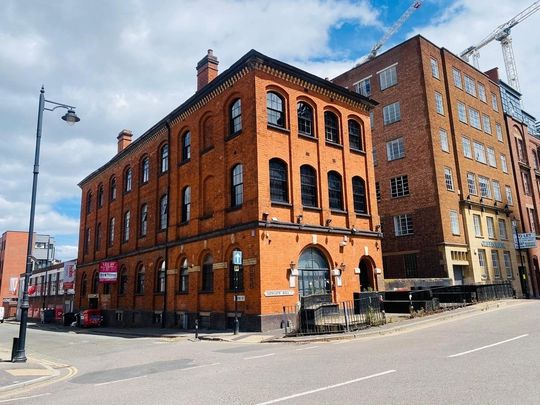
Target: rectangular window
[
  {"x": 363, "y": 87},
  {"x": 474, "y": 118},
  {"x": 495, "y": 262},
  {"x": 492, "y": 160},
  {"x": 470, "y": 86},
  {"x": 434, "y": 68},
  {"x": 496, "y": 190},
  {"x": 509, "y": 198},
  {"x": 443, "y": 139},
  {"x": 486, "y": 123},
  {"x": 403, "y": 225},
  {"x": 502, "y": 230},
  {"x": 395, "y": 149},
  {"x": 454, "y": 222},
  {"x": 439, "y": 103},
  {"x": 498, "y": 130},
  {"x": 378, "y": 191},
  {"x": 471, "y": 183},
  {"x": 482, "y": 92},
  {"x": 490, "y": 227},
  {"x": 448, "y": 179},
  {"x": 485, "y": 189},
  {"x": 507, "y": 264},
  {"x": 391, "y": 113},
  {"x": 504, "y": 167},
  {"x": 482, "y": 262},
  {"x": 411, "y": 265},
  {"x": 526, "y": 183},
  {"x": 532, "y": 220},
  {"x": 477, "y": 225},
  {"x": 388, "y": 77},
  {"x": 462, "y": 113},
  {"x": 479, "y": 152},
  {"x": 494, "y": 103},
  {"x": 466, "y": 143},
  {"x": 457, "y": 78},
  {"x": 399, "y": 186}
]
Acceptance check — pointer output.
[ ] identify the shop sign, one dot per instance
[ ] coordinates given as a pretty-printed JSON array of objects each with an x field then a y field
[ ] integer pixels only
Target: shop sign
[
  {"x": 278, "y": 293},
  {"x": 526, "y": 240},
  {"x": 69, "y": 274},
  {"x": 108, "y": 272},
  {"x": 492, "y": 244}
]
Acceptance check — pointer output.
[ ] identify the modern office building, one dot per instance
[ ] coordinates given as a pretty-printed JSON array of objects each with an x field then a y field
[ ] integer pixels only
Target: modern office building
[{"x": 259, "y": 181}]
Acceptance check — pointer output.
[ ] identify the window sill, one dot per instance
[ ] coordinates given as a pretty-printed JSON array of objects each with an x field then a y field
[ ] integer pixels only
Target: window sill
[
  {"x": 206, "y": 216},
  {"x": 143, "y": 183},
  {"x": 398, "y": 158},
  {"x": 184, "y": 223},
  {"x": 358, "y": 151},
  {"x": 139, "y": 294},
  {"x": 399, "y": 196},
  {"x": 307, "y": 208},
  {"x": 362, "y": 215},
  {"x": 278, "y": 128},
  {"x": 206, "y": 150},
  {"x": 334, "y": 145},
  {"x": 206, "y": 292},
  {"x": 159, "y": 293},
  {"x": 182, "y": 293},
  {"x": 233, "y": 135},
  {"x": 183, "y": 162},
  {"x": 389, "y": 87},
  {"x": 405, "y": 234},
  {"x": 308, "y": 137},
  {"x": 235, "y": 208},
  {"x": 390, "y": 123},
  {"x": 338, "y": 212},
  {"x": 280, "y": 204}
]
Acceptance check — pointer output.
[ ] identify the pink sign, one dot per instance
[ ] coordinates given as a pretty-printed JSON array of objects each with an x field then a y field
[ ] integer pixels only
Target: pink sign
[{"x": 108, "y": 272}]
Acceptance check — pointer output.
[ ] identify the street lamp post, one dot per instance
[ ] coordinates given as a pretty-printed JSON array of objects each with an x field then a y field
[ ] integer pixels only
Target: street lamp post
[{"x": 18, "y": 353}]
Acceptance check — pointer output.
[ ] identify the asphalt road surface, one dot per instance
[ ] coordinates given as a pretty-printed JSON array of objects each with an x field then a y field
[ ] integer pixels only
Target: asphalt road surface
[{"x": 489, "y": 357}]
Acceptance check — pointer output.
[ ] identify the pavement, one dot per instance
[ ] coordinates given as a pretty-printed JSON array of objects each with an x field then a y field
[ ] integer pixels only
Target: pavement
[{"x": 36, "y": 371}]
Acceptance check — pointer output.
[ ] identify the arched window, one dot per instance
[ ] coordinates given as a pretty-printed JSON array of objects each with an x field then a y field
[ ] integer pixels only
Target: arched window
[
  {"x": 122, "y": 287},
  {"x": 235, "y": 117},
  {"x": 111, "y": 231},
  {"x": 208, "y": 134},
  {"x": 335, "y": 194},
  {"x": 98, "y": 236},
  {"x": 160, "y": 277},
  {"x": 144, "y": 220},
  {"x": 313, "y": 273},
  {"x": 89, "y": 202},
  {"x": 359, "y": 195},
  {"x": 186, "y": 146},
  {"x": 86, "y": 244},
  {"x": 275, "y": 109},
  {"x": 139, "y": 285},
  {"x": 128, "y": 177},
  {"x": 236, "y": 274},
  {"x": 305, "y": 118},
  {"x": 184, "y": 277},
  {"x": 164, "y": 158},
  {"x": 355, "y": 135},
  {"x": 163, "y": 212},
  {"x": 127, "y": 218},
  {"x": 279, "y": 189},
  {"x": 84, "y": 285},
  {"x": 308, "y": 185},
  {"x": 145, "y": 170},
  {"x": 113, "y": 189},
  {"x": 186, "y": 204},
  {"x": 237, "y": 186},
  {"x": 95, "y": 282},
  {"x": 100, "y": 196},
  {"x": 208, "y": 273},
  {"x": 331, "y": 127}
]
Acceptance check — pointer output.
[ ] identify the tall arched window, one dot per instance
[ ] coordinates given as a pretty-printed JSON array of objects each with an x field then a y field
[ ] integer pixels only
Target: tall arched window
[
  {"x": 95, "y": 282},
  {"x": 84, "y": 285},
  {"x": 86, "y": 243},
  {"x": 184, "y": 277},
  {"x": 128, "y": 177},
  {"x": 186, "y": 204},
  {"x": 275, "y": 109},
  {"x": 122, "y": 287},
  {"x": 335, "y": 194},
  {"x": 145, "y": 170},
  {"x": 139, "y": 285},
  {"x": 100, "y": 196},
  {"x": 235, "y": 117},
  {"x": 111, "y": 231},
  {"x": 313, "y": 273},
  {"x": 305, "y": 118},
  {"x": 279, "y": 188},
  {"x": 237, "y": 186},
  {"x": 127, "y": 219},
  {"x": 164, "y": 158},
  {"x": 308, "y": 185},
  {"x": 359, "y": 195},
  {"x": 163, "y": 212},
  {"x": 331, "y": 127},
  {"x": 186, "y": 146},
  {"x": 144, "y": 220},
  {"x": 160, "y": 277},
  {"x": 98, "y": 236},
  {"x": 236, "y": 274},
  {"x": 208, "y": 273},
  {"x": 89, "y": 202},
  {"x": 355, "y": 135},
  {"x": 112, "y": 194}
]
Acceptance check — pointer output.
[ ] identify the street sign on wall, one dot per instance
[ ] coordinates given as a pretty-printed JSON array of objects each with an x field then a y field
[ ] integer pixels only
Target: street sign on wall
[
  {"x": 108, "y": 272},
  {"x": 526, "y": 240}
]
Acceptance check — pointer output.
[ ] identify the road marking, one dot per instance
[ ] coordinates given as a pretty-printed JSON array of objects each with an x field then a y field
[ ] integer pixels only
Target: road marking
[
  {"x": 307, "y": 348},
  {"x": 201, "y": 366},
  {"x": 117, "y": 381},
  {"x": 259, "y": 357},
  {"x": 20, "y": 372},
  {"x": 488, "y": 346},
  {"x": 328, "y": 387},
  {"x": 20, "y": 398}
]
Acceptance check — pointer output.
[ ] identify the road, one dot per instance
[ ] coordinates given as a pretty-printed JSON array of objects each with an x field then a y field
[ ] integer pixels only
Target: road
[{"x": 489, "y": 357}]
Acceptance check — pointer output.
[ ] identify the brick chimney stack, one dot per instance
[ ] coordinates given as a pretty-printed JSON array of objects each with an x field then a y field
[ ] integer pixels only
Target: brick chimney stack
[
  {"x": 124, "y": 139},
  {"x": 207, "y": 69}
]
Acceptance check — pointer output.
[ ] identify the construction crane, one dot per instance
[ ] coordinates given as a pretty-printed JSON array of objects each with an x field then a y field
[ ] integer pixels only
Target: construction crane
[
  {"x": 502, "y": 34},
  {"x": 391, "y": 31}
]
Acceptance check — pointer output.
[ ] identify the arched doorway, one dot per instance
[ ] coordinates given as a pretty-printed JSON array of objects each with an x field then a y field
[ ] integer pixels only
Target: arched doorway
[
  {"x": 366, "y": 275},
  {"x": 313, "y": 273}
]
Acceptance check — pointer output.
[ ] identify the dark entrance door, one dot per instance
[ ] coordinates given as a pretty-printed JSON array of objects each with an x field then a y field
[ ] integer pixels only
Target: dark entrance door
[
  {"x": 313, "y": 272},
  {"x": 523, "y": 280},
  {"x": 366, "y": 276},
  {"x": 458, "y": 274}
]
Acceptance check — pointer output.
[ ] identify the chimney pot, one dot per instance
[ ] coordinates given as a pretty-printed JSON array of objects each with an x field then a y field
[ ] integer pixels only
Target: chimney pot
[
  {"x": 124, "y": 139},
  {"x": 207, "y": 69}
]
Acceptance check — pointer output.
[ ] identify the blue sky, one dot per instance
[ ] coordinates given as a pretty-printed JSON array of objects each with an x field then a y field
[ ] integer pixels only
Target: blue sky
[{"x": 127, "y": 64}]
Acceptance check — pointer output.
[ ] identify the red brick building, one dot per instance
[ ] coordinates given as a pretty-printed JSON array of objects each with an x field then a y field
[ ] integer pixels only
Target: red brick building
[
  {"x": 444, "y": 179},
  {"x": 264, "y": 159}
]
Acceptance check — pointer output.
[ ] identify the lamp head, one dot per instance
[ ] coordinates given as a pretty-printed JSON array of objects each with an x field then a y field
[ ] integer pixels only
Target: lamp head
[{"x": 70, "y": 117}]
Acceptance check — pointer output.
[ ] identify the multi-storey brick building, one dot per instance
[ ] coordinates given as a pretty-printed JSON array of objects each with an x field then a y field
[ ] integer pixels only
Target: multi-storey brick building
[
  {"x": 264, "y": 160},
  {"x": 444, "y": 177}
]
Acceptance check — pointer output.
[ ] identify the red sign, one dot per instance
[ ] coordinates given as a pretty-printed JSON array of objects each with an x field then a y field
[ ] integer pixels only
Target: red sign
[{"x": 108, "y": 272}]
